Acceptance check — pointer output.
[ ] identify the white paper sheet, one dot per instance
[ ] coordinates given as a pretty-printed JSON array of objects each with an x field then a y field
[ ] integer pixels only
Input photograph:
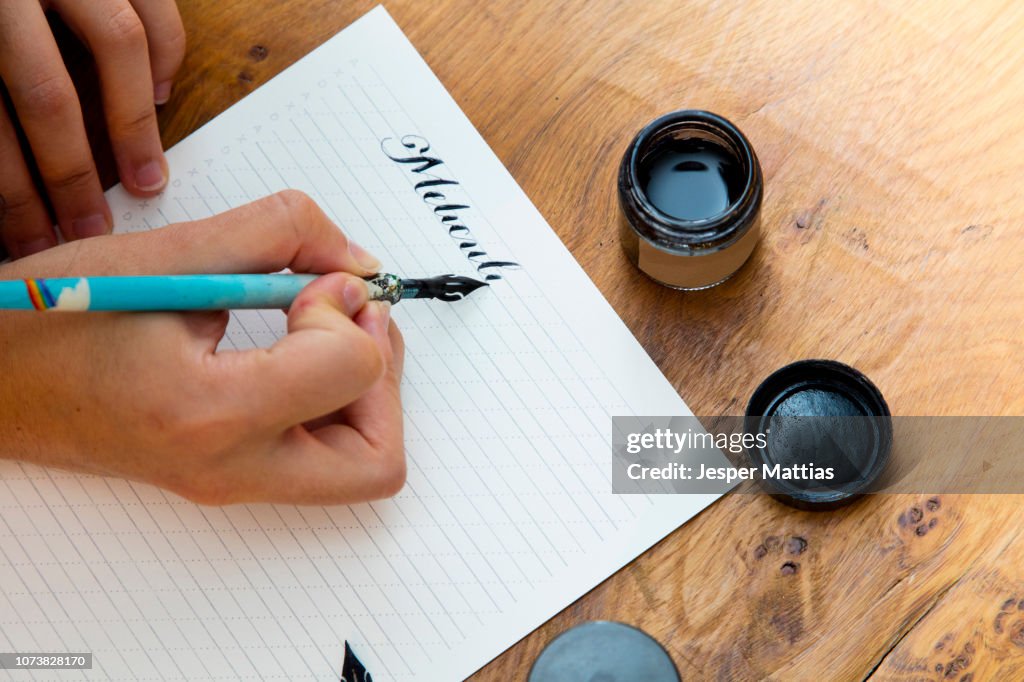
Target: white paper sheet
[{"x": 507, "y": 516}]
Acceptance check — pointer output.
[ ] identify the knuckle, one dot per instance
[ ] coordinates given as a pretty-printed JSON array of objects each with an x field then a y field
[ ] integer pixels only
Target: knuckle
[
  {"x": 218, "y": 434},
  {"x": 173, "y": 45},
  {"x": 397, "y": 340},
  {"x": 205, "y": 481},
  {"x": 50, "y": 97},
  {"x": 294, "y": 201},
  {"x": 298, "y": 208},
  {"x": 135, "y": 124},
  {"x": 372, "y": 366},
  {"x": 125, "y": 29},
  {"x": 15, "y": 204},
  {"x": 209, "y": 489},
  {"x": 301, "y": 216},
  {"x": 391, "y": 473},
  {"x": 181, "y": 425},
  {"x": 73, "y": 178}
]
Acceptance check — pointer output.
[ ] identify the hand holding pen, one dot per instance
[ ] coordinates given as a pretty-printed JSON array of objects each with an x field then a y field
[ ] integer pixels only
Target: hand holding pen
[{"x": 315, "y": 419}]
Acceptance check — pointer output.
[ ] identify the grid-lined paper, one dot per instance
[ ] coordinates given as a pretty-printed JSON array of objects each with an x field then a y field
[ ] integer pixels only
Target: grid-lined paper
[{"x": 507, "y": 515}]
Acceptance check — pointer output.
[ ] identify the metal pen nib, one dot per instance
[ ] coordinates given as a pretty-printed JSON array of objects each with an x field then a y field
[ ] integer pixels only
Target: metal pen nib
[
  {"x": 443, "y": 287},
  {"x": 386, "y": 287}
]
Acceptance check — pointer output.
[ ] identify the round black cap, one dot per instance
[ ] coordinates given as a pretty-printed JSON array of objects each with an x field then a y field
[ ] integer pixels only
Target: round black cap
[
  {"x": 819, "y": 417},
  {"x": 603, "y": 651}
]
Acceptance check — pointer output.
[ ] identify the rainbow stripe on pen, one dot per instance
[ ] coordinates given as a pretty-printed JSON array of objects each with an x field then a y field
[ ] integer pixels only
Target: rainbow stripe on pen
[{"x": 39, "y": 294}]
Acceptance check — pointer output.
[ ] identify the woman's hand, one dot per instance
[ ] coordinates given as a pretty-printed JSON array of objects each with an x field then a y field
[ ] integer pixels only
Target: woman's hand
[
  {"x": 138, "y": 46},
  {"x": 315, "y": 419}
]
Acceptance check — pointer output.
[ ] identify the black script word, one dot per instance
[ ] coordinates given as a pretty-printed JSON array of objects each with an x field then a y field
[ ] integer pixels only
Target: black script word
[{"x": 412, "y": 150}]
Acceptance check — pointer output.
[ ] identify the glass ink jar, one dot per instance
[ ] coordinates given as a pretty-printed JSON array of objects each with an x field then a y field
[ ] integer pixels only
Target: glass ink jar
[{"x": 690, "y": 187}]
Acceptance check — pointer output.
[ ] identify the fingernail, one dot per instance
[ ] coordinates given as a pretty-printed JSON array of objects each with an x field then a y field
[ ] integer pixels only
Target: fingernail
[
  {"x": 150, "y": 177},
  {"x": 92, "y": 226},
  {"x": 162, "y": 92},
  {"x": 34, "y": 246},
  {"x": 355, "y": 295},
  {"x": 364, "y": 257},
  {"x": 385, "y": 314}
]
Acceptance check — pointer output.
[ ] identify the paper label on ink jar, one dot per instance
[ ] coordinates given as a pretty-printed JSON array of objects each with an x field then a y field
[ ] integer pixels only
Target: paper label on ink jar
[{"x": 696, "y": 272}]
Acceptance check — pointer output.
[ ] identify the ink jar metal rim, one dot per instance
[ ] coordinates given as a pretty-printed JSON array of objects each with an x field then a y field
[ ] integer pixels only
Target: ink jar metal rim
[
  {"x": 844, "y": 382},
  {"x": 666, "y": 236}
]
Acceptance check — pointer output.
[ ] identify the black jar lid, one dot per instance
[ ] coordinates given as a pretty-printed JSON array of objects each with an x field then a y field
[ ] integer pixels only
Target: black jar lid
[
  {"x": 606, "y": 651},
  {"x": 824, "y": 414}
]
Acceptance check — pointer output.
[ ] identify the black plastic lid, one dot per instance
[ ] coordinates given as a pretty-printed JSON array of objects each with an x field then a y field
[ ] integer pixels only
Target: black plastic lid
[
  {"x": 606, "y": 651},
  {"x": 824, "y": 414}
]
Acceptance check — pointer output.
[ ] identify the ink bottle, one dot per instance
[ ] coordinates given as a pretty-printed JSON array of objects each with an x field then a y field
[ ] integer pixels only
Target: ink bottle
[{"x": 690, "y": 188}]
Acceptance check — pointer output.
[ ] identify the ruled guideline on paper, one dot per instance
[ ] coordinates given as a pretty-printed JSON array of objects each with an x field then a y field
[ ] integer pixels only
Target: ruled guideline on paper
[{"x": 507, "y": 516}]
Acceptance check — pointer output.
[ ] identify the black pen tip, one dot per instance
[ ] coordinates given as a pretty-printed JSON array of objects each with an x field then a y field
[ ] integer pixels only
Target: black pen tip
[{"x": 448, "y": 287}]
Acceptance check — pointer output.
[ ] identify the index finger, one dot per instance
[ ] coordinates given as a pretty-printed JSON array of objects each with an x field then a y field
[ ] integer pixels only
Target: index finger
[
  {"x": 116, "y": 37},
  {"x": 283, "y": 230},
  {"x": 326, "y": 361}
]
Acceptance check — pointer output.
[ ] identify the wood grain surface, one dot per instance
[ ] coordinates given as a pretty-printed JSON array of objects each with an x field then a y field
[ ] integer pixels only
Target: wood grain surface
[{"x": 892, "y": 141}]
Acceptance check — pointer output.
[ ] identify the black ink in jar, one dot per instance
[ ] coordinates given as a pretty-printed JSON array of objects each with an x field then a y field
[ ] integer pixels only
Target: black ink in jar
[{"x": 690, "y": 187}]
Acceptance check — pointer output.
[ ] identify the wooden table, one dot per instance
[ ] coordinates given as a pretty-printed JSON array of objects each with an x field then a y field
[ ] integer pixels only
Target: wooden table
[{"x": 893, "y": 149}]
